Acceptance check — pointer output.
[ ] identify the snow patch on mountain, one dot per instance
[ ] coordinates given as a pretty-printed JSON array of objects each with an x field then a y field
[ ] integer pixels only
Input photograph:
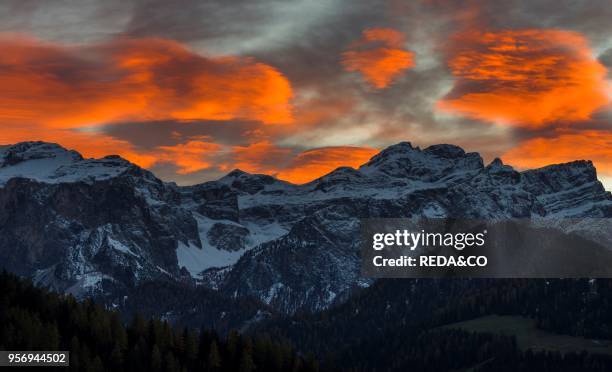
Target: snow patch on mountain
[
  {"x": 196, "y": 259},
  {"x": 115, "y": 244}
]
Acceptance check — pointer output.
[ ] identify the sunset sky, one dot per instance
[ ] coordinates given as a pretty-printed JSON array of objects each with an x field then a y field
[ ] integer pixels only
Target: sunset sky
[{"x": 193, "y": 89}]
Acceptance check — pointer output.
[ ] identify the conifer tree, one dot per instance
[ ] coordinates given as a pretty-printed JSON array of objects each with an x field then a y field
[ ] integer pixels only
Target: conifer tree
[
  {"x": 156, "y": 359},
  {"x": 214, "y": 359},
  {"x": 246, "y": 358},
  {"x": 116, "y": 358},
  {"x": 170, "y": 363}
]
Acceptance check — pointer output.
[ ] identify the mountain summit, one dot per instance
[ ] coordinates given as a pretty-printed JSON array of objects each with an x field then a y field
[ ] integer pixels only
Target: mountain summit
[
  {"x": 104, "y": 227},
  {"x": 51, "y": 163}
]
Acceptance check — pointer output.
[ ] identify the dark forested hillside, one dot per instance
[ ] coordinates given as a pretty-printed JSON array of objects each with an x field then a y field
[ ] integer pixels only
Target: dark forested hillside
[
  {"x": 398, "y": 323},
  {"x": 191, "y": 306},
  {"x": 35, "y": 319},
  {"x": 395, "y": 325}
]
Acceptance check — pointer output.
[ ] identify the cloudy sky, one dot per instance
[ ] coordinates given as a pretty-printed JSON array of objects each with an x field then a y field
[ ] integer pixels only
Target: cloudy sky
[{"x": 193, "y": 89}]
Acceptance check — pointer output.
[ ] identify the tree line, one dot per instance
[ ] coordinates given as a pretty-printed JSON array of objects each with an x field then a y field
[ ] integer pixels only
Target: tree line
[
  {"x": 395, "y": 325},
  {"x": 379, "y": 326},
  {"x": 32, "y": 318}
]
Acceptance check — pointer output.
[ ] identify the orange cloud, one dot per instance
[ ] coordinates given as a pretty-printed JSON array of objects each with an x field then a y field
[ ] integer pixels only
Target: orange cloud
[
  {"x": 90, "y": 145},
  {"x": 264, "y": 157},
  {"x": 191, "y": 156},
  {"x": 260, "y": 157},
  {"x": 378, "y": 56},
  {"x": 525, "y": 77},
  {"x": 315, "y": 163},
  {"x": 316, "y": 110},
  {"x": 267, "y": 158},
  {"x": 55, "y": 93},
  {"x": 595, "y": 145},
  {"x": 66, "y": 86}
]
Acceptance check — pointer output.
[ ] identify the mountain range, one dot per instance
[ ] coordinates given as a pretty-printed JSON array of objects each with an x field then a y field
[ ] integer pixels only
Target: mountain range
[{"x": 108, "y": 229}]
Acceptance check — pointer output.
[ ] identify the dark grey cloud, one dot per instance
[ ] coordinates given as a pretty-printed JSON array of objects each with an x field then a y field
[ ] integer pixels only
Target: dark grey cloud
[
  {"x": 72, "y": 21},
  {"x": 606, "y": 59},
  {"x": 193, "y": 20},
  {"x": 152, "y": 134},
  {"x": 169, "y": 172},
  {"x": 590, "y": 17}
]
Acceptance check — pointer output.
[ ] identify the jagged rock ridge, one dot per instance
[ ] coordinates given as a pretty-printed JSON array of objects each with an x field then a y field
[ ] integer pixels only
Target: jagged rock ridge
[{"x": 103, "y": 226}]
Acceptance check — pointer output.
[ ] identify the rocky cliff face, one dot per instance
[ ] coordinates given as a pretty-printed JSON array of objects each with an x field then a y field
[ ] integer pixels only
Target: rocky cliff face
[
  {"x": 103, "y": 226},
  {"x": 316, "y": 263},
  {"x": 78, "y": 223}
]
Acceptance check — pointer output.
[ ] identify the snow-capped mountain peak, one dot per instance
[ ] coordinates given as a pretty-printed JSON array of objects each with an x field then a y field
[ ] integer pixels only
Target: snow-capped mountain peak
[
  {"x": 84, "y": 224},
  {"x": 435, "y": 162},
  {"x": 51, "y": 163},
  {"x": 497, "y": 166},
  {"x": 249, "y": 183}
]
